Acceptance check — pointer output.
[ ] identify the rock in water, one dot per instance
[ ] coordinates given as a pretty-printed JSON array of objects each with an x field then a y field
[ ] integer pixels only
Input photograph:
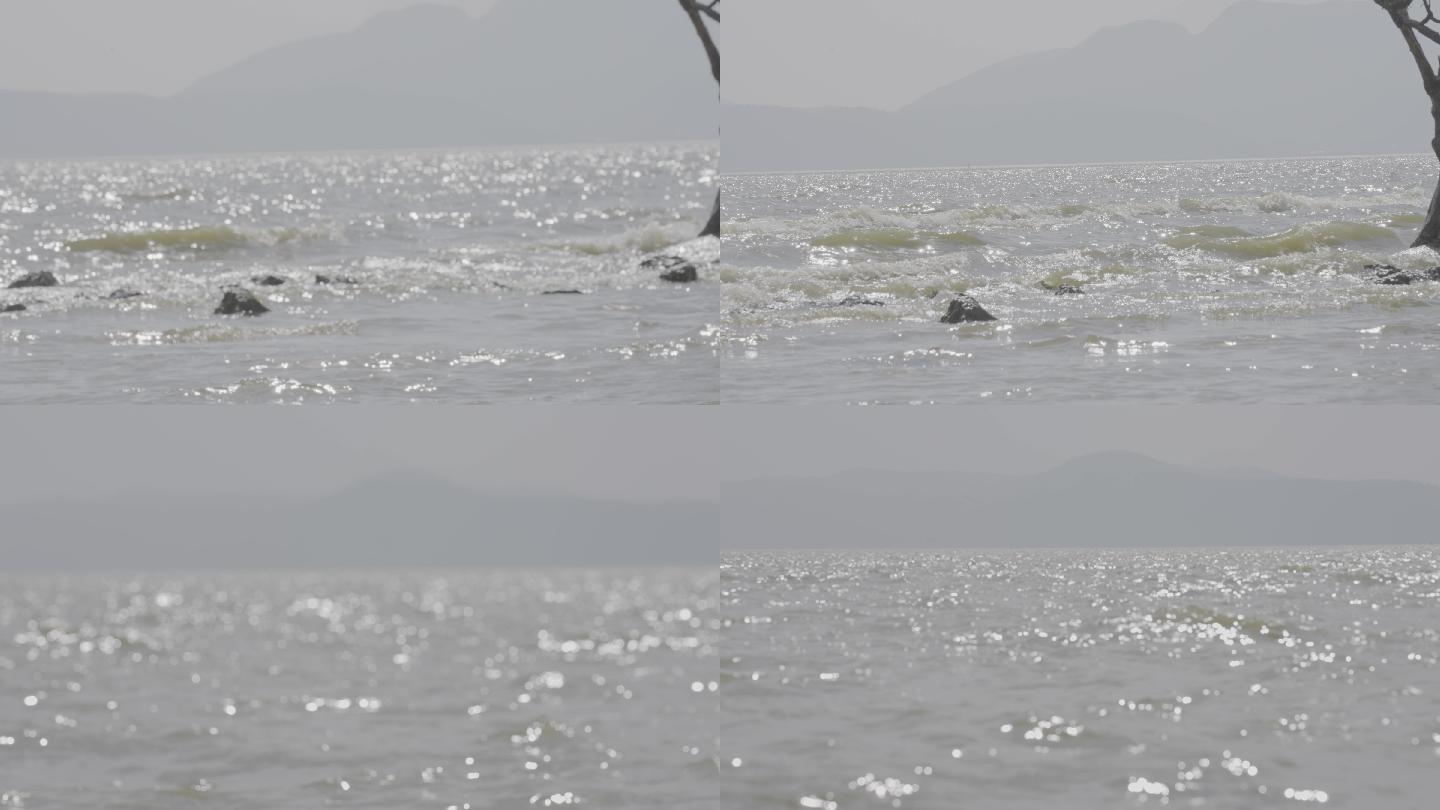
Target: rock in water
[
  {"x": 268, "y": 281},
  {"x": 966, "y": 310},
  {"x": 240, "y": 302},
  {"x": 13, "y": 308},
  {"x": 662, "y": 262},
  {"x": 1390, "y": 274},
  {"x": 562, "y": 292},
  {"x": 681, "y": 275},
  {"x": 121, "y": 295},
  {"x": 1061, "y": 289},
  {"x": 41, "y": 278}
]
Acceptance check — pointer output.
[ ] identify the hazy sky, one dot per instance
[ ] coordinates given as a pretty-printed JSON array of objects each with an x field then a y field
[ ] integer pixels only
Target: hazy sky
[
  {"x": 886, "y": 53},
  {"x": 1348, "y": 443},
  {"x": 160, "y": 46},
  {"x": 628, "y": 453},
  {"x": 642, "y": 453}
]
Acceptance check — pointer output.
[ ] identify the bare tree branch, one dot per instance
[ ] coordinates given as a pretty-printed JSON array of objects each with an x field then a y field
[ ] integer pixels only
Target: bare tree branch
[
  {"x": 1412, "y": 28},
  {"x": 698, "y": 11}
]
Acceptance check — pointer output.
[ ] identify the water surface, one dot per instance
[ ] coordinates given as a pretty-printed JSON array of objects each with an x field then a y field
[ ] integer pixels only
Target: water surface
[
  {"x": 438, "y": 266},
  {"x": 1238, "y": 281},
  {"x": 462, "y": 689},
  {"x": 1083, "y": 679}
]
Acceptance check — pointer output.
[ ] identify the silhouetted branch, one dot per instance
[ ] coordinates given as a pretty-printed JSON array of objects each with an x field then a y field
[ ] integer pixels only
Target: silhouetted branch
[
  {"x": 698, "y": 11},
  {"x": 1412, "y": 28}
]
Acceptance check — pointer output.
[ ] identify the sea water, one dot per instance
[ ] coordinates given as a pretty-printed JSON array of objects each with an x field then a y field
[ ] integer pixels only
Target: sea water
[
  {"x": 1233, "y": 282},
  {"x": 438, "y": 266},
  {"x": 1083, "y": 679},
  {"x": 461, "y": 689}
]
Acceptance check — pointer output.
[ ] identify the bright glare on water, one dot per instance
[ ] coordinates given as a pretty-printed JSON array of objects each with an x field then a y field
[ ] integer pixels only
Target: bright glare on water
[
  {"x": 1203, "y": 282},
  {"x": 450, "y": 255},
  {"x": 1082, "y": 679},
  {"x": 455, "y": 690}
]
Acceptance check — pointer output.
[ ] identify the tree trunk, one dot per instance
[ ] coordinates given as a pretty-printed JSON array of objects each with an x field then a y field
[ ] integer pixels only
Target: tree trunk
[
  {"x": 712, "y": 52},
  {"x": 1429, "y": 235},
  {"x": 712, "y": 228}
]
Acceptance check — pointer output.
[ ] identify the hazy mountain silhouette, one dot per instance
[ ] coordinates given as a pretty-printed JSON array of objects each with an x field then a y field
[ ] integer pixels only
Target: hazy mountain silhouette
[
  {"x": 1264, "y": 80},
  {"x": 1117, "y": 499},
  {"x": 568, "y": 71},
  {"x": 397, "y": 521}
]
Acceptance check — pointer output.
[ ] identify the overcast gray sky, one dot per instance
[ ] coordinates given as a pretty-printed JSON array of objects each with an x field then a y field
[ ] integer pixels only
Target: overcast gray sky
[
  {"x": 160, "y": 46},
  {"x": 886, "y": 53}
]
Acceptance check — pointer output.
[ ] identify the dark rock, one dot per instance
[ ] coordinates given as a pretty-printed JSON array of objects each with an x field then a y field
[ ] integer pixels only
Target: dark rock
[
  {"x": 562, "y": 292},
  {"x": 41, "y": 278},
  {"x": 681, "y": 275},
  {"x": 966, "y": 310},
  {"x": 858, "y": 301},
  {"x": 1062, "y": 289},
  {"x": 1390, "y": 274},
  {"x": 268, "y": 281},
  {"x": 321, "y": 278},
  {"x": 13, "y": 308},
  {"x": 662, "y": 262},
  {"x": 121, "y": 295},
  {"x": 240, "y": 302}
]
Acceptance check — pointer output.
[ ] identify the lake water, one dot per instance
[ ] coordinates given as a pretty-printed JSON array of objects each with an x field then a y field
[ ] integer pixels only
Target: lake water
[
  {"x": 451, "y": 254},
  {"x": 1082, "y": 679},
  {"x": 1227, "y": 282},
  {"x": 447, "y": 690}
]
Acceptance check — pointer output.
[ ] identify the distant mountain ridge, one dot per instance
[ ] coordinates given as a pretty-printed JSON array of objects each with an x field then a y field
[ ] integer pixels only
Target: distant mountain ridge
[
  {"x": 529, "y": 71},
  {"x": 1264, "y": 79},
  {"x": 396, "y": 521},
  {"x": 1107, "y": 500}
]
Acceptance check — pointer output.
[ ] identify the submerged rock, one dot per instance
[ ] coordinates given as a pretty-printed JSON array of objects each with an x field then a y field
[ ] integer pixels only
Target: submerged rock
[
  {"x": 562, "y": 292},
  {"x": 40, "y": 278},
  {"x": 13, "y": 308},
  {"x": 240, "y": 302},
  {"x": 966, "y": 310},
  {"x": 1061, "y": 289},
  {"x": 677, "y": 268},
  {"x": 681, "y": 275},
  {"x": 858, "y": 301},
  {"x": 662, "y": 262},
  {"x": 268, "y": 281},
  {"x": 1390, "y": 274},
  {"x": 321, "y": 278},
  {"x": 122, "y": 294}
]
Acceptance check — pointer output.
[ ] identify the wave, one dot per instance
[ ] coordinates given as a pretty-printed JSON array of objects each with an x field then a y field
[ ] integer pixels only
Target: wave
[
  {"x": 227, "y": 333},
  {"x": 157, "y": 196},
  {"x": 1236, "y": 243},
  {"x": 645, "y": 239},
  {"x": 890, "y": 238},
  {"x": 199, "y": 239}
]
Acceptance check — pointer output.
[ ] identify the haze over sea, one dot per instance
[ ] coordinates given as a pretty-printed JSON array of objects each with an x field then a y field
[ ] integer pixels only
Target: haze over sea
[
  {"x": 407, "y": 276},
  {"x": 1226, "y": 282},
  {"x": 1295, "y": 677},
  {"x": 461, "y": 689}
]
